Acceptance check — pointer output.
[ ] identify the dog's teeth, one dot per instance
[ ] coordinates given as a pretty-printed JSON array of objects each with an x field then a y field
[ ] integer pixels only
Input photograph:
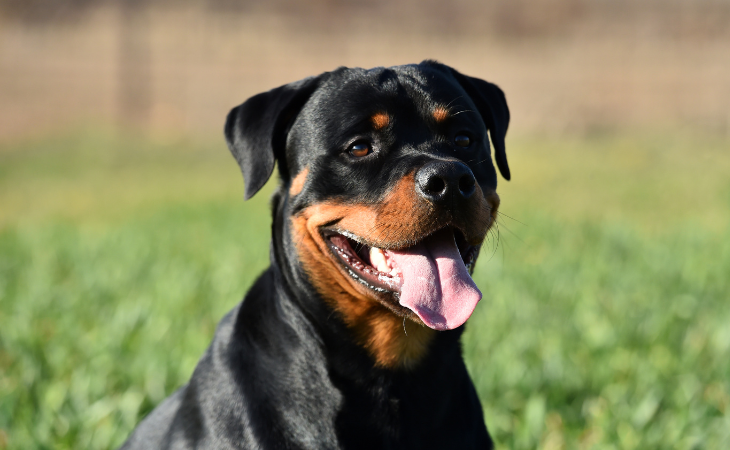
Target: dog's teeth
[{"x": 377, "y": 259}]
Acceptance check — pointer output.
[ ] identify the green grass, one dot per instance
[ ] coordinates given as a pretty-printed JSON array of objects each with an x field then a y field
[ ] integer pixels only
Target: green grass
[{"x": 605, "y": 322}]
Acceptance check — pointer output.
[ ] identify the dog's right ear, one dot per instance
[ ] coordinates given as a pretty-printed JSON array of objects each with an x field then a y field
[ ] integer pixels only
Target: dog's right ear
[{"x": 256, "y": 130}]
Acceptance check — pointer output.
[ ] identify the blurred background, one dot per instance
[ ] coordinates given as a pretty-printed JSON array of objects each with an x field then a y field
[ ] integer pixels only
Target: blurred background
[
  {"x": 124, "y": 237},
  {"x": 568, "y": 65}
]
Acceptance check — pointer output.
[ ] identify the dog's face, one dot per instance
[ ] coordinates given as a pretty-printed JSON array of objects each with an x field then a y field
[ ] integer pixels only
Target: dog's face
[{"x": 390, "y": 190}]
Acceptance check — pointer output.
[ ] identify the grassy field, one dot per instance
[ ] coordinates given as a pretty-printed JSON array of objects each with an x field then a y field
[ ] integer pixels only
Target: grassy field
[{"x": 605, "y": 322}]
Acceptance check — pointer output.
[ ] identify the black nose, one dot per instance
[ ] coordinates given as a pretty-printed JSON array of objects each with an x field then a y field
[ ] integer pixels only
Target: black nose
[{"x": 443, "y": 181}]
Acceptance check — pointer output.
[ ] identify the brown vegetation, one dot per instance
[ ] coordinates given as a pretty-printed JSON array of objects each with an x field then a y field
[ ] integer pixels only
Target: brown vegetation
[{"x": 566, "y": 65}]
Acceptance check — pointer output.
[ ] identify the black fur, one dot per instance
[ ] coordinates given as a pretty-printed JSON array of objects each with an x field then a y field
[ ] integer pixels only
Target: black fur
[{"x": 283, "y": 371}]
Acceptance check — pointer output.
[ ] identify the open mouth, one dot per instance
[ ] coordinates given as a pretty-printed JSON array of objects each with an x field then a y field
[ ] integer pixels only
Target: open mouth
[
  {"x": 431, "y": 278},
  {"x": 375, "y": 267}
]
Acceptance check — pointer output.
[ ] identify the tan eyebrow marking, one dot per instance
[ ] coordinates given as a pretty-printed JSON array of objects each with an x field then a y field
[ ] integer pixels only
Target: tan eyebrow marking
[
  {"x": 297, "y": 184},
  {"x": 380, "y": 120},
  {"x": 440, "y": 113}
]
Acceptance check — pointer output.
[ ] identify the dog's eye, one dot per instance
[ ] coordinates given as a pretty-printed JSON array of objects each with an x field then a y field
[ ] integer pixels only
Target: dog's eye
[
  {"x": 462, "y": 140},
  {"x": 360, "y": 149}
]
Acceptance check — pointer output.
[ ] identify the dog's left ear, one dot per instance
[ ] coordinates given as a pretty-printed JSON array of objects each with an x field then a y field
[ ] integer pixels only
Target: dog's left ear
[
  {"x": 256, "y": 130},
  {"x": 489, "y": 100}
]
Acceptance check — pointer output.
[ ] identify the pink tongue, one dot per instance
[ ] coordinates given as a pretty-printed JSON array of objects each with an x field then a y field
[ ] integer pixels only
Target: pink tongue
[{"x": 436, "y": 284}]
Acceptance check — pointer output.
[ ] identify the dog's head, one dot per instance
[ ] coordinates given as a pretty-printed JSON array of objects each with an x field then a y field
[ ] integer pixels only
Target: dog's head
[{"x": 389, "y": 188}]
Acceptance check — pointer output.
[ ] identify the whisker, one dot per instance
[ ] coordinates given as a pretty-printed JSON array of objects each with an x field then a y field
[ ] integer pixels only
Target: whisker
[
  {"x": 452, "y": 101},
  {"x": 495, "y": 236},
  {"x": 510, "y": 217},
  {"x": 513, "y": 233},
  {"x": 492, "y": 240},
  {"x": 484, "y": 160}
]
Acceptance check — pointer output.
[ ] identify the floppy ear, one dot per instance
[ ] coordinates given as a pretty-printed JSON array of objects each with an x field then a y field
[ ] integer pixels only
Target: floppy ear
[
  {"x": 489, "y": 100},
  {"x": 256, "y": 130}
]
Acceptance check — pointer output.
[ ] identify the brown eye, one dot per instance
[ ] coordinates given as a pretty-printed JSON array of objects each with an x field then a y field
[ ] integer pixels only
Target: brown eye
[
  {"x": 360, "y": 149},
  {"x": 462, "y": 140}
]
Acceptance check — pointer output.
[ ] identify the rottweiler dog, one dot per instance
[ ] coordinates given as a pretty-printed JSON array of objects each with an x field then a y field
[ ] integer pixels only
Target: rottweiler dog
[{"x": 350, "y": 339}]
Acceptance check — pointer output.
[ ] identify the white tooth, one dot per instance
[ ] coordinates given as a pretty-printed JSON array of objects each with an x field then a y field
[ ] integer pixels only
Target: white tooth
[{"x": 377, "y": 260}]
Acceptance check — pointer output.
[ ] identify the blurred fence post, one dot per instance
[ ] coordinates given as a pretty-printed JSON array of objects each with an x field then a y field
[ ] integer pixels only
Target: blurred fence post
[{"x": 134, "y": 65}]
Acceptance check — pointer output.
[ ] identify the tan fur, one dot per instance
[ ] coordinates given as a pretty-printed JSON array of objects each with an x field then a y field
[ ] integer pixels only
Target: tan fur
[
  {"x": 297, "y": 184},
  {"x": 440, "y": 113},
  {"x": 380, "y": 120}
]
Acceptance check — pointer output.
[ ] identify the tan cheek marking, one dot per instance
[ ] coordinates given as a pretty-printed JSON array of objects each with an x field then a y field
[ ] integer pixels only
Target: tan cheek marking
[
  {"x": 440, "y": 113},
  {"x": 297, "y": 184},
  {"x": 380, "y": 120},
  {"x": 403, "y": 216},
  {"x": 399, "y": 219}
]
